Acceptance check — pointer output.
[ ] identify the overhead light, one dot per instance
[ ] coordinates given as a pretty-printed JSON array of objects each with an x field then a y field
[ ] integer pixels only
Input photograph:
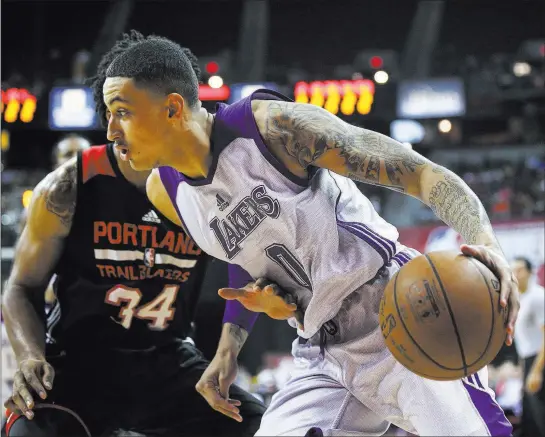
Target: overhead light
[
  {"x": 521, "y": 69},
  {"x": 215, "y": 82},
  {"x": 381, "y": 77},
  {"x": 445, "y": 126}
]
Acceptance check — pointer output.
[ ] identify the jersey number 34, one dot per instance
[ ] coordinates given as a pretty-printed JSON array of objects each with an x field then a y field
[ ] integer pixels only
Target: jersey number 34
[{"x": 159, "y": 311}]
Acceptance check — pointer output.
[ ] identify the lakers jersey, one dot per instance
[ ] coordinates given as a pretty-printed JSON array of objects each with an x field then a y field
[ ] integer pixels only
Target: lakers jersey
[{"x": 317, "y": 238}]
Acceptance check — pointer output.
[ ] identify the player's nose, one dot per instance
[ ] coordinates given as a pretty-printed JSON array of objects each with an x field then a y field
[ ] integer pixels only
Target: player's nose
[{"x": 113, "y": 133}]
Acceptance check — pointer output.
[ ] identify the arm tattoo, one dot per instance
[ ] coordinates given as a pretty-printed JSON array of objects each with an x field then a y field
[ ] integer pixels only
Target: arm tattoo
[
  {"x": 60, "y": 195},
  {"x": 238, "y": 334},
  {"x": 458, "y": 206},
  {"x": 306, "y": 132}
]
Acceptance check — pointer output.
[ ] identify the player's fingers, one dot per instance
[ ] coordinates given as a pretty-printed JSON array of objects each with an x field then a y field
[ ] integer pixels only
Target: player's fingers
[
  {"x": 290, "y": 308},
  {"x": 471, "y": 250},
  {"x": 235, "y": 402},
  {"x": 283, "y": 311},
  {"x": 33, "y": 380},
  {"x": 514, "y": 307},
  {"x": 209, "y": 394},
  {"x": 261, "y": 283},
  {"x": 48, "y": 376},
  {"x": 11, "y": 406},
  {"x": 231, "y": 414},
  {"x": 483, "y": 255},
  {"x": 269, "y": 290},
  {"x": 223, "y": 404},
  {"x": 20, "y": 403},
  {"x": 218, "y": 402},
  {"x": 27, "y": 397},
  {"x": 232, "y": 293},
  {"x": 20, "y": 387},
  {"x": 507, "y": 285}
]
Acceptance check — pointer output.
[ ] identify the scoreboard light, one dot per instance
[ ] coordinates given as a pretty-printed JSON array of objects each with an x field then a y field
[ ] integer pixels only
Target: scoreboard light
[
  {"x": 26, "y": 198},
  {"x": 212, "y": 67},
  {"x": 72, "y": 108},
  {"x": 206, "y": 92},
  {"x": 348, "y": 96},
  {"x": 18, "y": 104}
]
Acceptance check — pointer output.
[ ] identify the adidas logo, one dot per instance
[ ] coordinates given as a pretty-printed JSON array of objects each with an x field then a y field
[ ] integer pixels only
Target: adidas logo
[
  {"x": 221, "y": 202},
  {"x": 151, "y": 217}
]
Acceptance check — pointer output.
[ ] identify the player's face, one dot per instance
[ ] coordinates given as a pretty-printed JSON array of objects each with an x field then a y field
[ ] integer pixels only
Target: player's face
[
  {"x": 520, "y": 271},
  {"x": 138, "y": 122},
  {"x": 67, "y": 149}
]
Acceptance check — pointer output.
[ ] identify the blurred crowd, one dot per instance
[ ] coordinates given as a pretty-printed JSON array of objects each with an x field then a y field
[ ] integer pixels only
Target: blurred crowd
[{"x": 509, "y": 190}]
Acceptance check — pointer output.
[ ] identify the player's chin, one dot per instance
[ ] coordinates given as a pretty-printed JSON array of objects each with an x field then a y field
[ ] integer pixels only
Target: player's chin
[{"x": 139, "y": 165}]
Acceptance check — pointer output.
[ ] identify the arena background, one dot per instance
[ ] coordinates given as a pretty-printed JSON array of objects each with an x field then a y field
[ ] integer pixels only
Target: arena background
[{"x": 461, "y": 82}]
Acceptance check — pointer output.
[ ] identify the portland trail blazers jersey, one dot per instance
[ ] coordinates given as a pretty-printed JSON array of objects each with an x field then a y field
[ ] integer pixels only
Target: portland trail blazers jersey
[
  {"x": 318, "y": 238},
  {"x": 124, "y": 279}
]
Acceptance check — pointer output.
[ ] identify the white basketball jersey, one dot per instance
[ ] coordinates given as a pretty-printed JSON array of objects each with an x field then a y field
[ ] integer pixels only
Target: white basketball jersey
[{"x": 318, "y": 238}]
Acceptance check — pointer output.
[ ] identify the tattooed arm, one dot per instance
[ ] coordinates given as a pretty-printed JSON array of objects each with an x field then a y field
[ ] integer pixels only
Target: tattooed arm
[
  {"x": 302, "y": 136},
  {"x": 38, "y": 250}
]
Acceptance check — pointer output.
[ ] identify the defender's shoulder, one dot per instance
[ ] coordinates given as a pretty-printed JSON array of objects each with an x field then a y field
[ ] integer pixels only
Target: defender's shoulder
[{"x": 54, "y": 199}]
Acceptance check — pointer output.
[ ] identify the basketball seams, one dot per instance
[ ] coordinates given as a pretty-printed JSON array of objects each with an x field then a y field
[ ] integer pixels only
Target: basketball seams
[
  {"x": 493, "y": 324},
  {"x": 449, "y": 308},
  {"x": 412, "y": 338}
]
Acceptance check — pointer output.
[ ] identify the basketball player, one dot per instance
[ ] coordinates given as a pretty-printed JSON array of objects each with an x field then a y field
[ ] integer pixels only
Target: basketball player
[
  {"x": 118, "y": 355},
  {"x": 265, "y": 184}
]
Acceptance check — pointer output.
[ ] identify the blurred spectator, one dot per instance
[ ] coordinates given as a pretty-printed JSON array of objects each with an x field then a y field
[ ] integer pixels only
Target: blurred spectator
[{"x": 529, "y": 339}]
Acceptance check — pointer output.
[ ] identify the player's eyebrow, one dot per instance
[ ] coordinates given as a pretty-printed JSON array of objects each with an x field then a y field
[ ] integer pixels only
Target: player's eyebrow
[{"x": 118, "y": 99}]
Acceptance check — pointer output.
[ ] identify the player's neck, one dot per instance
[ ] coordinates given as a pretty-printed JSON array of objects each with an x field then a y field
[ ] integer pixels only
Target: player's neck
[
  {"x": 192, "y": 154},
  {"x": 523, "y": 287}
]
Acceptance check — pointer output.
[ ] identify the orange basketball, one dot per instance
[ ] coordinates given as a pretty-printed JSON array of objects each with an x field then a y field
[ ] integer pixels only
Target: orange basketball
[{"x": 441, "y": 316}]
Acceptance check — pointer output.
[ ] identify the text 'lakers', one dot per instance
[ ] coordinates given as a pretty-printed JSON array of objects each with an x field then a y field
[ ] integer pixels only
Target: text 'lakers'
[{"x": 243, "y": 219}]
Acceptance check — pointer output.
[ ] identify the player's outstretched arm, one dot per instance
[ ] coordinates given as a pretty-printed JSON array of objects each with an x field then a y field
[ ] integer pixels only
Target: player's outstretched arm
[
  {"x": 303, "y": 135},
  {"x": 39, "y": 247}
]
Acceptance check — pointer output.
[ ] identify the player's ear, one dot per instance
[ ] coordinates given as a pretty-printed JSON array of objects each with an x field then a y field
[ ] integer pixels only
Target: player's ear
[{"x": 175, "y": 106}]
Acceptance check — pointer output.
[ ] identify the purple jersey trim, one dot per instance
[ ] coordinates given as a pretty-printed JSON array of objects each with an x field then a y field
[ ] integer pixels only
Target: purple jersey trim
[
  {"x": 171, "y": 179},
  {"x": 381, "y": 245},
  {"x": 237, "y": 121},
  {"x": 235, "y": 312},
  {"x": 489, "y": 410},
  {"x": 238, "y": 277},
  {"x": 264, "y": 94}
]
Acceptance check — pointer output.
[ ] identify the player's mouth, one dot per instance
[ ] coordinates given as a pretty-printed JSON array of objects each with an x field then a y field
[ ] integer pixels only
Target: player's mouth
[{"x": 123, "y": 151}]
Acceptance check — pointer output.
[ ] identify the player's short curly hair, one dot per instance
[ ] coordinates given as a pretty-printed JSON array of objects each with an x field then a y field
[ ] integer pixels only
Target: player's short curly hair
[{"x": 152, "y": 61}]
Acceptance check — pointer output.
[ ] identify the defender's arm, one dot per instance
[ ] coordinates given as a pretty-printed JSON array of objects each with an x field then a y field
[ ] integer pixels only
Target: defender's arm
[{"x": 39, "y": 247}]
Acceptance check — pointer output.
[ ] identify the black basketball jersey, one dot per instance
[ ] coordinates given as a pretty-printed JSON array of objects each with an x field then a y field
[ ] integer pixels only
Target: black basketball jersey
[{"x": 127, "y": 277}]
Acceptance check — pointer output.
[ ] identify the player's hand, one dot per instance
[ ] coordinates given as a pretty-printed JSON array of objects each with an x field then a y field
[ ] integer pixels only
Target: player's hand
[
  {"x": 534, "y": 381},
  {"x": 262, "y": 296},
  {"x": 33, "y": 375},
  {"x": 492, "y": 258},
  {"x": 215, "y": 382}
]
